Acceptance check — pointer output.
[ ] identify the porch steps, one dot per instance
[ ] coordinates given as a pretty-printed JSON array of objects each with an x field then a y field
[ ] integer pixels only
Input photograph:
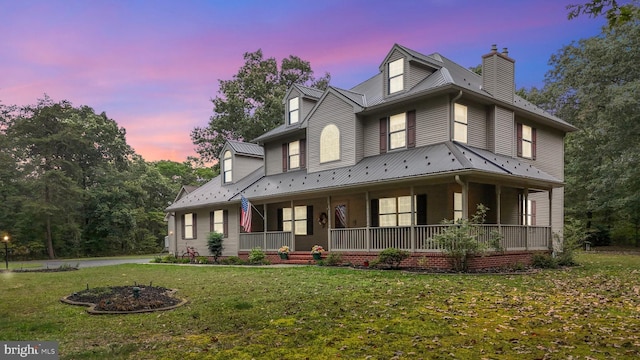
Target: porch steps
[{"x": 300, "y": 258}]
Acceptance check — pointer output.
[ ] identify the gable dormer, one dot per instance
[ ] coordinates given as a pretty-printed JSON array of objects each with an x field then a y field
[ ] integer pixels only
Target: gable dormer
[
  {"x": 239, "y": 159},
  {"x": 403, "y": 68},
  {"x": 298, "y": 102}
]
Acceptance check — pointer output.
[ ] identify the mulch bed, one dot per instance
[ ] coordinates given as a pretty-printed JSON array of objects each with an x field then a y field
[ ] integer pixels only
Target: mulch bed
[{"x": 123, "y": 300}]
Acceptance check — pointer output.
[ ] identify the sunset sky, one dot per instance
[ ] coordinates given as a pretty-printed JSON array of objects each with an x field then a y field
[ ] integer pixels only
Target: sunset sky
[{"x": 153, "y": 66}]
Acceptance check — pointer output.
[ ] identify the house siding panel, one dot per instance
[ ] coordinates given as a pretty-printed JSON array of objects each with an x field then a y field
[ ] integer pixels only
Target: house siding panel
[
  {"x": 371, "y": 132},
  {"x": 416, "y": 74},
  {"x": 504, "y": 135},
  {"x": 273, "y": 155},
  {"x": 542, "y": 207},
  {"x": 333, "y": 110},
  {"x": 307, "y": 105},
  {"x": 549, "y": 149},
  {"x": 476, "y": 126},
  {"x": 432, "y": 121},
  {"x": 243, "y": 166}
]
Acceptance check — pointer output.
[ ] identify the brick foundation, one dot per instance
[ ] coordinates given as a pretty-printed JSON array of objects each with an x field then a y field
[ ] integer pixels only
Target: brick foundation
[{"x": 433, "y": 260}]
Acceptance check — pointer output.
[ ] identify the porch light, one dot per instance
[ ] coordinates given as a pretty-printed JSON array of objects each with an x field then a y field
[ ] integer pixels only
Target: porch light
[{"x": 5, "y": 239}]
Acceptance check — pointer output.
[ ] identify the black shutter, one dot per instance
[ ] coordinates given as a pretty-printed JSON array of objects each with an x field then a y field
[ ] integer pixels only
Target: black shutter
[
  {"x": 280, "y": 220},
  {"x": 411, "y": 129},
  {"x": 195, "y": 225},
  {"x": 303, "y": 153},
  {"x": 183, "y": 227},
  {"x": 375, "y": 220},
  {"x": 519, "y": 138},
  {"x": 225, "y": 223},
  {"x": 421, "y": 209},
  {"x": 211, "y": 221},
  {"x": 285, "y": 157},
  {"x": 383, "y": 135},
  {"x": 310, "y": 219}
]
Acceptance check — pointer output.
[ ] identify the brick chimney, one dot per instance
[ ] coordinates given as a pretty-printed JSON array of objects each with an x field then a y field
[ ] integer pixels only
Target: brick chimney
[{"x": 498, "y": 74}]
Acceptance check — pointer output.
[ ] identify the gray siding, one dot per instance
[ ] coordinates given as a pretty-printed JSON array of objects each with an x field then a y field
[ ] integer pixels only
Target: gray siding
[
  {"x": 359, "y": 139},
  {"x": 504, "y": 135},
  {"x": 432, "y": 121},
  {"x": 557, "y": 210},
  {"x": 371, "y": 131},
  {"x": 307, "y": 105},
  {"x": 491, "y": 129},
  {"x": 332, "y": 110},
  {"x": 498, "y": 77},
  {"x": 509, "y": 204},
  {"x": 549, "y": 149},
  {"x": 244, "y": 165},
  {"x": 273, "y": 161},
  {"x": 542, "y": 207},
  {"x": 416, "y": 74},
  {"x": 203, "y": 228},
  {"x": 476, "y": 125}
]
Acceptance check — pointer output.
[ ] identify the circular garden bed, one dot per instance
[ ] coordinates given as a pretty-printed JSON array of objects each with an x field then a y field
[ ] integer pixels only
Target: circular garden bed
[{"x": 125, "y": 299}]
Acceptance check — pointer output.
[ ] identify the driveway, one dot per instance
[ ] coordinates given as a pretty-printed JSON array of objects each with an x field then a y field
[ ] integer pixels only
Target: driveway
[{"x": 85, "y": 263}]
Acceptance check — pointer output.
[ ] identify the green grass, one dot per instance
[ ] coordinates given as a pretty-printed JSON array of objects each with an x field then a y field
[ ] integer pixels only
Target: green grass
[{"x": 590, "y": 311}]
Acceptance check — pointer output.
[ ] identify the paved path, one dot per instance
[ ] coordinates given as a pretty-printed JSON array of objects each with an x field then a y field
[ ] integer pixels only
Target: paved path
[{"x": 84, "y": 263}]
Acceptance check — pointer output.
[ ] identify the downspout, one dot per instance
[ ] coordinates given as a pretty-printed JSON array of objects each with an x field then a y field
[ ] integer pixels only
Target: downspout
[
  {"x": 465, "y": 195},
  {"x": 452, "y": 113}
]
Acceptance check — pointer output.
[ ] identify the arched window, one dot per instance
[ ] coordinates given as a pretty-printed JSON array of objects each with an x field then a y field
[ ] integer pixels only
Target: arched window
[
  {"x": 227, "y": 166},
  {"x": 329, "y": 143}
]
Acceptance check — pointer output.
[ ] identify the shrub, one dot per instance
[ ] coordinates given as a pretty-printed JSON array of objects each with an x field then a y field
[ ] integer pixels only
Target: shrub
[
  {"x": 392, "y": 257},
  {"x": 233, "y": 260},
  {"x": 214, "y": 243},
  {"x": 574, "y": 235},
  {"x": 202, "y": 260},
  {"x": 256, "y": 256},
  {"x": 460, "y": 239},
  {"x": 333, "y": 259},
  {"x": 544, "y": 261}
]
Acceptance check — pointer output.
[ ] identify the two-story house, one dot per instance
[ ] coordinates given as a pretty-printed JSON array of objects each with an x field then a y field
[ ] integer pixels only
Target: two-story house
[{"x": 380, "y": 165}]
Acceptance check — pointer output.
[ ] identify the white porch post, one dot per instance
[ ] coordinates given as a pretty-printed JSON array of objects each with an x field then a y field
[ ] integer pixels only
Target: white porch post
[
  {"x": 264, "y": 222},
  {"x": 293, "y": 228},
  {"x": 499, "y": 208},
  {"x": 526, "y": 218},
  {"x": 551, "y": 220},
  {"x": 367, "y": 234},
  {"x": 329, "y": 223},
  {"x": 465, "y": 196},
  {"x": 413, "y": 221}
]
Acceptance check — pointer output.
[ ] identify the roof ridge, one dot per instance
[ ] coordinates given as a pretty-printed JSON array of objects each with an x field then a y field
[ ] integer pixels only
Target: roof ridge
[{"x": 485, "y": 158}]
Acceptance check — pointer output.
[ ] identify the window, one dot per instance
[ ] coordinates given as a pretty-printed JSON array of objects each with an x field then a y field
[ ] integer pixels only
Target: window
[
  {"x": 329, "y": 143},
  {"x": 294, "y": 110},
  {"x": 457, "y": 206},
  {"x": 189, "y": 226},
  {"x": 218, "y": 222},
  {"x": 294, "y": 155},
  {"x": 526, "y": 141},
  {"x": 395, "y": 211},
  {"x": 340, "y": 220},
  {"x": 299, "y": 220},
  {"x": 528, "y": 212},
  {"x": 460, "y": 123},
  {"x": 227, "y": 167},
  {"x": 401, "y": 131},
  {"x": 396, "y": 76},
  {"x": 397, "y": 131}
]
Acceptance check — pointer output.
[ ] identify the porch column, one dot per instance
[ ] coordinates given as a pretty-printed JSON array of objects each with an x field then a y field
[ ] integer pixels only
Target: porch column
[
  {"x": 413, "y": 221},
  {"x": 499, "y": 209},
  {"x": 367, "y": 236},
  {"x": 465, "y": 196},
  {"x": 264, "y": 222},
  {"x": 329, "y": 216},
  {"x": 551, "y": 219},
  {"x": 293, "y": 228},
  {"x": 526, "y": 218}
]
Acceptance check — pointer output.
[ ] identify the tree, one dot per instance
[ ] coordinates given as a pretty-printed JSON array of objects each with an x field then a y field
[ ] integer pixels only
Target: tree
[
  {"x": 252, "y": 102},
  {"x": 615, "y": 13},
  {"x": 595, "y": 85}
]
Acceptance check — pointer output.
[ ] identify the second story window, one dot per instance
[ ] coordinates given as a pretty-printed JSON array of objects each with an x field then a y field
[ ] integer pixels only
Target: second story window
[
  {"x": 294, "y": 110},
  {"x": 460, "y": 123},
  {"x": 396, "y": 76},
  {"x": 329, "y": 143},
  {"x": 397, "y": 131},
  {"x": 294, "y": 155},
  {"x": 227, "y": 167},
  {"x": 526, "y": 141}
]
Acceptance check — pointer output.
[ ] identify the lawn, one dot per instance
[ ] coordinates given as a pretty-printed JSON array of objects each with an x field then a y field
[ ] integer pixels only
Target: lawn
[{"x": 587, "y": 312}]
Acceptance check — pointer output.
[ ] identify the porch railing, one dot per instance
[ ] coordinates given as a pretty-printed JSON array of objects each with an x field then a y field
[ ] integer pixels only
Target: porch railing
[
  {"x": 269, "y": 241},
  {"x": 514, "y": 237}
]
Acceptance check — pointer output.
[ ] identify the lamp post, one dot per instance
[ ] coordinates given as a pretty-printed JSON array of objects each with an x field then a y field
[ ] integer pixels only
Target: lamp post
[{"x": 5, "y": 239}]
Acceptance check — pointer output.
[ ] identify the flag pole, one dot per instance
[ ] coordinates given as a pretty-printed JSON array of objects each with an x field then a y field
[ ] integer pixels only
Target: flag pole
[{"x": 256, "y": 209}]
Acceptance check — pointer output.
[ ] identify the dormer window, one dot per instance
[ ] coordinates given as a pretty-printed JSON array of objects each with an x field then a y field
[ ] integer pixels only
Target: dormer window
[
  {"x": 294, "y": 110},
  {"x": 227, "y": 167},
  {"x": 396, "y": 76}
]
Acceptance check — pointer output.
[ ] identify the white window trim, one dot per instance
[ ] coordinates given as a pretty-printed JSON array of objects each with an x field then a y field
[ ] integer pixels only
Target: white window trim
[
  {"x": 218, "y": 221},
  {"x": 291, "y": 155},
  {"x": 227, "y": 167},
  {"x": 396, "y": 75},
  {"x": 294, "y": 108},
  {"x": 392, "y": 132},
  {"x": 188, "y": 226},
  {"x": 457, "y": 206}
]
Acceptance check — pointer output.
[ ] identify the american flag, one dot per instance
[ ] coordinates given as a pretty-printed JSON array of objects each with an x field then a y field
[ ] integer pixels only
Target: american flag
[{"x": 245, "y": 220}]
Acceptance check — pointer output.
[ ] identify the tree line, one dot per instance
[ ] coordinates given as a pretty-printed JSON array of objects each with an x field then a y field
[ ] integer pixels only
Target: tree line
[{"x": 70, "y": 185}]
